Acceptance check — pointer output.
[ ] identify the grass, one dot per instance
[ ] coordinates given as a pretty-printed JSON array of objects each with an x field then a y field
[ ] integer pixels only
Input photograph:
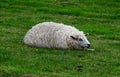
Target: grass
[{"x": 101, "y": 19}]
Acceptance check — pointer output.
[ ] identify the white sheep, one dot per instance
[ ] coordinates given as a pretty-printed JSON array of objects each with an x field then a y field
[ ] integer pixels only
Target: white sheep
[{"x": 56, "y": 35}]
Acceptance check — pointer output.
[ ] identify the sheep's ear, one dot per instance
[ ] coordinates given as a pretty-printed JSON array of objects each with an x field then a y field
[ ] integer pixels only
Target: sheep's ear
[
  {"x": 86, "y": 34},
  {"x": 73, "y": 37}
]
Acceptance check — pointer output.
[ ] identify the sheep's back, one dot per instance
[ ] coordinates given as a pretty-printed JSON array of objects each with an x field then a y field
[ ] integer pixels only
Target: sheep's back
[{"x": 49, "y": 34}]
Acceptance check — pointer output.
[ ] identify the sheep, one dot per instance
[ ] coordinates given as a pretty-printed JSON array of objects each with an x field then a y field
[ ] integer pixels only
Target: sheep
[{"x": 56, "y": 35}]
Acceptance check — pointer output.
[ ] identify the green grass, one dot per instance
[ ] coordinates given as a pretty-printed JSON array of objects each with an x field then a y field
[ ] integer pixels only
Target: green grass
[{"x": 99, "y": 18}]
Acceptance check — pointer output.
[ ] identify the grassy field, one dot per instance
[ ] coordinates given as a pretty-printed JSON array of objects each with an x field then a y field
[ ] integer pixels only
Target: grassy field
[{"x": 99, "y": 18}]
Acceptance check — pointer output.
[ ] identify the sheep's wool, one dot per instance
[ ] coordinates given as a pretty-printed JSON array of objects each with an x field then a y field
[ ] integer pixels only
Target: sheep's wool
[{"x": 52, "y": 35}]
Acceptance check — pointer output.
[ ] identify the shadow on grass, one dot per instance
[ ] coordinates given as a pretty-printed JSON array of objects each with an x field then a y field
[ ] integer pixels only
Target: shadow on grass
[{"x": 77, "y": 52}]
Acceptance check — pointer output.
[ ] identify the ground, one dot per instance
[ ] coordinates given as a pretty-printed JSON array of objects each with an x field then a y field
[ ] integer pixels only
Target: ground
[{"x": 101, "y": 19}]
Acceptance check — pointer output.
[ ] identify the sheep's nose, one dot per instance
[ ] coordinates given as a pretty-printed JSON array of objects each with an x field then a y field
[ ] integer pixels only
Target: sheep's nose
[{"x": 88, "y": 45}]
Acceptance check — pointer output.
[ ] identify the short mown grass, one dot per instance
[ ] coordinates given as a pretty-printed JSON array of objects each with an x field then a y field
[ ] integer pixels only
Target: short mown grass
[{"x": 101, "y": 19}]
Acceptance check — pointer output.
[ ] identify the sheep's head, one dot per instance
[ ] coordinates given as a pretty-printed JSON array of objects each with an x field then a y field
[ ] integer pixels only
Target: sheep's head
[{"x": 80, "y": 41}]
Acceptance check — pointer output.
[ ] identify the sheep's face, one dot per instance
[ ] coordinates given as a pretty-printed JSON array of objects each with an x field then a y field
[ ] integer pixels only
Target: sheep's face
[{"x": 80, "y": 41}]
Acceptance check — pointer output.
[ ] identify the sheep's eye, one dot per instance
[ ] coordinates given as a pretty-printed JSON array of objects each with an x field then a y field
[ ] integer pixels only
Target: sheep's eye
[{"x": 80, "y": 39}]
